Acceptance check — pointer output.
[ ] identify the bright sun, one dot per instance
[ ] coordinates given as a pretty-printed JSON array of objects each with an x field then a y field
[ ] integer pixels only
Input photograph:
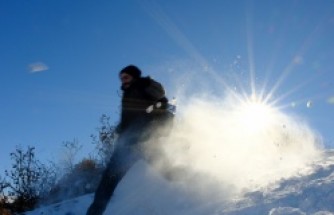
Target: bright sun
[{"x": 254, "y": 115}]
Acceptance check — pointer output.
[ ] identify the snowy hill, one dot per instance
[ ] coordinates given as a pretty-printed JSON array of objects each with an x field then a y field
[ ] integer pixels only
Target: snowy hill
[
  {"x": 144, "y": 191},
  {"x": 246, "y": 158}
]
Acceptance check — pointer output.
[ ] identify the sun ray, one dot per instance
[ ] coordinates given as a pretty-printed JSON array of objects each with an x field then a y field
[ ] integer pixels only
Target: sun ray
[
  {"x": 250, "y": 50},
  {"x": 158, "y": 14},
  {"x": 298, "y": 59}
]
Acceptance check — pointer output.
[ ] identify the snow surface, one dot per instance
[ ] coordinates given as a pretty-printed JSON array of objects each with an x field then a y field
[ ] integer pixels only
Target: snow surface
[
  {"x": 215, "y": 160},
  {"x": 144, "y": 191}
]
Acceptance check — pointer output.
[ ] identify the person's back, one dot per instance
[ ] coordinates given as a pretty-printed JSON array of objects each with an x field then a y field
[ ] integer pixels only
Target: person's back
[
  {"x": 143, "y": 103},
  {"x": 139, "y": 102}
]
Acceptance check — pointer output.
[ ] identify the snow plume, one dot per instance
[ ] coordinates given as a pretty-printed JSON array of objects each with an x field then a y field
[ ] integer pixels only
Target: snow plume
[{"x": 233, "y": 145}]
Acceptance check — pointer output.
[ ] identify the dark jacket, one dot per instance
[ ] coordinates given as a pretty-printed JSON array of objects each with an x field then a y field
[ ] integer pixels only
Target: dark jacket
[{"x": 142, "y": 94}]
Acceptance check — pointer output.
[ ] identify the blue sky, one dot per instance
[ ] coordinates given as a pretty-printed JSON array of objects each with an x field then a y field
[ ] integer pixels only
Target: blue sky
[{"x": 60, "y": 59}]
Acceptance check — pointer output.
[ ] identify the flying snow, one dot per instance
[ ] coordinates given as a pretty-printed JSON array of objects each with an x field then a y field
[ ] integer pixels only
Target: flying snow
[
  {"x": 309, "y": 104},
  {"x": 330, "y": 100},
  {"x": 238, "y": 146}
]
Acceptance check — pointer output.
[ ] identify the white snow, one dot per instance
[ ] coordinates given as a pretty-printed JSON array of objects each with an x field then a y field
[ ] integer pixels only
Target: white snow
[
  {"x": 225, "y": 157},
  {"x": 144, "y": 191}
]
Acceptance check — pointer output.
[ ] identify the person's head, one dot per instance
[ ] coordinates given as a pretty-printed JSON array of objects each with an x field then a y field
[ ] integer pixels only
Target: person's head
[{"x": 128, "y": 75}]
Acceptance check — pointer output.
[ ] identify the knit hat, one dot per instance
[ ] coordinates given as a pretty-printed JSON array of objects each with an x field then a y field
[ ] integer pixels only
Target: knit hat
[{"x": 131, "y": 70}]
